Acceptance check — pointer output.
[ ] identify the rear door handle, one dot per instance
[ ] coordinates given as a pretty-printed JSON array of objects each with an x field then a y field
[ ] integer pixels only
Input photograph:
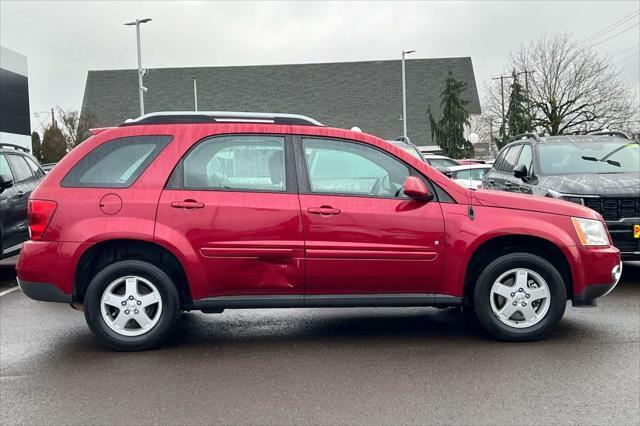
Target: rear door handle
[
  {"x": 187, "y": 204},
  {"x": 324, "y": 210},
  {"x": 19, "y": 195}
]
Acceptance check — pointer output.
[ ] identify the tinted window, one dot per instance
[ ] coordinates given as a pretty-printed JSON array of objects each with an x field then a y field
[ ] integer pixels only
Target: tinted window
[
  {"x": 34, "y": 168},
  {"x": 339, "y": 167},
  {"x": 117, "y": 163},
  {"x": 249, "y": 163},
  {"x": 526, "y": 158},
  {"x": 470, "y": 174},
  {"x": 510, "y": 158},
  {"x": 21, "y": 170},
  {"x": 611, "y": 156},
  {"x": 4, "y": 167}
]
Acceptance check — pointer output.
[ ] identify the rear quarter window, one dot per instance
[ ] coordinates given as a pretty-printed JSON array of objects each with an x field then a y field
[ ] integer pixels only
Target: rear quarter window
[{"x": 117, "y": 163}]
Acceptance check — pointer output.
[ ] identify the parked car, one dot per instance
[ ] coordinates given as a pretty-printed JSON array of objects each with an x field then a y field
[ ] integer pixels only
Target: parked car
[
  {"x": 470, "y": 175},
  {"x": 48, "y": 166},
  {"x": 470, "y": 161},
  {"x": 600, "y": 171},
  {"x": 19, "y": 175},
  {"x": 440, "y": 162},
  {"x": 174, "y": 212}
]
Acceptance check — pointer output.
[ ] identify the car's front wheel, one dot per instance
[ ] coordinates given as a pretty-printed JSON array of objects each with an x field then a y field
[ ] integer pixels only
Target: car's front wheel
[
  {"x": 131, "y": 305},
  {"x": 520, "y": 297}
]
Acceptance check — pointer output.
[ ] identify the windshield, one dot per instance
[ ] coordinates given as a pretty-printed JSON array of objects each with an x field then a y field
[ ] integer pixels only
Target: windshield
[
  {"x": 411, "y": 150},
  {"x": 615, "y": 156}
]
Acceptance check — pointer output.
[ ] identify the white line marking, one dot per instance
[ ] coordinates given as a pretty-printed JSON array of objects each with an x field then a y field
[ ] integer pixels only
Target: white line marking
[{"x": 11, "y": 290}]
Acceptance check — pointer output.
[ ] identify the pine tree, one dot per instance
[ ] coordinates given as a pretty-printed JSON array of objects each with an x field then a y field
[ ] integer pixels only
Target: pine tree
[
  {"x": 53, "y": 145},
  {"x": 518, "y": 117},
  {"x": 448, "y": 133},
  {"x": 36, "y": 146}
]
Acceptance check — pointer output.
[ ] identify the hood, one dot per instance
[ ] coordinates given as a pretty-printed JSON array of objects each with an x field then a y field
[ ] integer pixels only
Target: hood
[
  {"x": 509, "y": 200},
  {"x": 608, "y": 185}
]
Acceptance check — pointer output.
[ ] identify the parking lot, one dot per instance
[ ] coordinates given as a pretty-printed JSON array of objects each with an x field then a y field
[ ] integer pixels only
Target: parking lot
[{"x": 344, "y": 366}]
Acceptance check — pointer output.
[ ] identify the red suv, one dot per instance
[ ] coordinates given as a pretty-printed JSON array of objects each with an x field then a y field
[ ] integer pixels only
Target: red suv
[{"x": 202, "y": 211}]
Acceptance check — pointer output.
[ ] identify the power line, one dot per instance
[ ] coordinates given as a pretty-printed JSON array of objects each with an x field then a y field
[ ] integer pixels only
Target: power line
[
  {"x": 610, "y": 27},
  {"x": 626, "y": 58},
  {"x": 625, "y": 50},
  {"x": 615, "y": 35}
]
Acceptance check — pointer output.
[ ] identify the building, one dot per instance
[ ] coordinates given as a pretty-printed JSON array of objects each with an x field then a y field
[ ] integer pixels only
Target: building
[
  {"x": 342, "y": 94},
  {"x": 15, "y": 122}
]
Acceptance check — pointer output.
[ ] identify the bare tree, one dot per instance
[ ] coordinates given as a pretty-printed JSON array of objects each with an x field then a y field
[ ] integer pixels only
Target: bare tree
[
  {"x": 572, "y": 89},
  {"x": 75, "y": 127}
]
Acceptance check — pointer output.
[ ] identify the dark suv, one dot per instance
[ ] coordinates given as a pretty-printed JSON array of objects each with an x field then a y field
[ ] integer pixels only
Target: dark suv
[
  {"x": 600, "y": 171},
  {"x": 19, "y": 175}
]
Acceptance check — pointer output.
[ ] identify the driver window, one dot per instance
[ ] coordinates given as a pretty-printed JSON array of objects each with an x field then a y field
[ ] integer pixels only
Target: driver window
[
  {"x": 526, "y": 158},
  {"x": 339, "y": 167}
]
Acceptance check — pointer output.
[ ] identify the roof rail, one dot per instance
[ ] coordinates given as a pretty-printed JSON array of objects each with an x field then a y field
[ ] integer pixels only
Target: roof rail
[
  {"x": 525, "y": 136},
  {"x": 611, "y": 133},
  {"x": 17, "y": 147},
  {"x": 185, "y": 117}
]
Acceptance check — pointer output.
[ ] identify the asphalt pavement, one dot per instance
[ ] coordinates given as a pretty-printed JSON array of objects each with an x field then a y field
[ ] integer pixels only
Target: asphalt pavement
[{"x": 323, "y": 366}]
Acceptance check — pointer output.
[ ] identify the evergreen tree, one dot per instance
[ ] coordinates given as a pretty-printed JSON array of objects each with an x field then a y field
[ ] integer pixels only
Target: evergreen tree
[
  {"x": 36, "y": 146},
  {"x": 518, "y": 117},
  {"x": 53, "y": 145},
  {"x": 448, "y": 133}
]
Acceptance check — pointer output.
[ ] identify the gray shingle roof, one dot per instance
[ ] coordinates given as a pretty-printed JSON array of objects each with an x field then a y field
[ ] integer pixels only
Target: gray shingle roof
[{"x": 343, "y": 94}]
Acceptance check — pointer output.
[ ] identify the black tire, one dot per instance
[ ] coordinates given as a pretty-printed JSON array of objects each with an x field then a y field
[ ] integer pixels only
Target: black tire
[
  {"x": 168, "y": 316},
  {"x": 482, "y": 295}
]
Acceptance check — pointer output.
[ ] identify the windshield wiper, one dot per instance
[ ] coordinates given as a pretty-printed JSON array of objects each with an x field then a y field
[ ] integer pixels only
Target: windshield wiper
[{"x": 602, "y": 160}]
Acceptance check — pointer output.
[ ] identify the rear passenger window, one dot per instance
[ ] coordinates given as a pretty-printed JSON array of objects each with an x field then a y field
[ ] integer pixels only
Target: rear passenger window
[
  {"x": 21, "y": 170},
  {"x": 243, "y": 163},
  {"x": 34, "y": 168},
  {"x": 117, "y": 163},
  {"x": 4, "y": 167}
]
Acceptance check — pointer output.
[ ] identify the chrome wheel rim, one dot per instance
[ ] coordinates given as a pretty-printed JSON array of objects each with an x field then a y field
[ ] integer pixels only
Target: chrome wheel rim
[
  {"x": 520, "y": 298},
  {"x": 131, "y": 306}
]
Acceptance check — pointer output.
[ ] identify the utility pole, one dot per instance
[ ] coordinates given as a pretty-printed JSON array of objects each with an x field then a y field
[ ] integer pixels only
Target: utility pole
[
  {"x": 195, "y": 93},
  {"x": 141, "y": 88},
  {"x": 404, "y": 95},
  {"x": 53, "y": 119}
]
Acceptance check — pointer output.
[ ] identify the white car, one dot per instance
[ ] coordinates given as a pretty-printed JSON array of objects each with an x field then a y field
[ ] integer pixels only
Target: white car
[{"x": 468, "y": 175}]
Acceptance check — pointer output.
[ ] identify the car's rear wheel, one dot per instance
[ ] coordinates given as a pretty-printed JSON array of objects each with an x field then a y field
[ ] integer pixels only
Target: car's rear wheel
[
  {"x": 520, "y": 297},
  {"x": 131, "y": 305}
]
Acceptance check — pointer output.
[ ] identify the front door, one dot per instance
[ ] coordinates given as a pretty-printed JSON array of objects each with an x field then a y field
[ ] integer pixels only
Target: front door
[
  {"x": 363, "y": 235},
  {"x": 236, "y": 202}
]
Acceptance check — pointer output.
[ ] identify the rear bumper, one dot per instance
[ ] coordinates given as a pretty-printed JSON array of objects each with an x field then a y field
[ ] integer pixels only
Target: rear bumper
[{"x": 43, "y": 292}]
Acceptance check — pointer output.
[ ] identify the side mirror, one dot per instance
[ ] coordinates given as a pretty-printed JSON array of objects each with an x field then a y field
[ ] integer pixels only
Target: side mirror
[
  {"x": 5, "y": 182},
  {"x": 520, "y": 171},
  {"x": 415, "y": 188}
]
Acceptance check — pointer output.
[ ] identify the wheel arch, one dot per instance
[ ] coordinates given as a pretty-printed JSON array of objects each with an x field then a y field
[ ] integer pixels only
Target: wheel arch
[
  {"x": 104, "y": 253},
  {"x": 497, "y": 246}
]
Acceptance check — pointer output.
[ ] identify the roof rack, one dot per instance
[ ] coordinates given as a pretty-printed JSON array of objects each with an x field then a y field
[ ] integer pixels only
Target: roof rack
[
  {"x": 525, "y": 136},
  {"x": 611, "y": 133},
  {"x": 17, "y": 147},
  {"x": 186, "y": 117}
]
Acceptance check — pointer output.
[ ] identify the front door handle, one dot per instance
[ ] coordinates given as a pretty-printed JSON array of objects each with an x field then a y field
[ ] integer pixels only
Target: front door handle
[
  {"x": 324, "y": 210},
  {"x": 187, "y": 204},
  {"x": 19, "y": 195}
]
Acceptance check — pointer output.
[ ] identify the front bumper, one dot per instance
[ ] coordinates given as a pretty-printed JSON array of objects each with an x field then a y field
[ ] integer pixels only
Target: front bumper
[
  {"x": 589, "y": 294},
  {"x": 622, "y": 236}
]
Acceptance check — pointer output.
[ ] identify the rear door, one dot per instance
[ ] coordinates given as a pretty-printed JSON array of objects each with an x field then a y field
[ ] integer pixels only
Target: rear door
[
  {"x": 363, "y": 235},
  {"x": 235, "y": 200}
]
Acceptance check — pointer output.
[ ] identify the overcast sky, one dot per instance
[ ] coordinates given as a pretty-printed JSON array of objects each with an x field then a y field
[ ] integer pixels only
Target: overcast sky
[{"x": 63, "y": 40}]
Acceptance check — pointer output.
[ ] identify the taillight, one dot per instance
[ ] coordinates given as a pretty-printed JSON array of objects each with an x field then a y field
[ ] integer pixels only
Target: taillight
[{"x": 40, "y": 214}]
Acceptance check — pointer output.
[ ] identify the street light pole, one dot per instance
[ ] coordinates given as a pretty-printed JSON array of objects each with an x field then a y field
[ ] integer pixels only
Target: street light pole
[
  {"x": 404, "y": 94},
  {"x": 141, "y": 88}
]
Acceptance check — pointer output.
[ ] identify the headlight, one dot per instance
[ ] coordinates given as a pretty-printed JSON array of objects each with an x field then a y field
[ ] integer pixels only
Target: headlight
[{"x": 590, "y": 232}]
